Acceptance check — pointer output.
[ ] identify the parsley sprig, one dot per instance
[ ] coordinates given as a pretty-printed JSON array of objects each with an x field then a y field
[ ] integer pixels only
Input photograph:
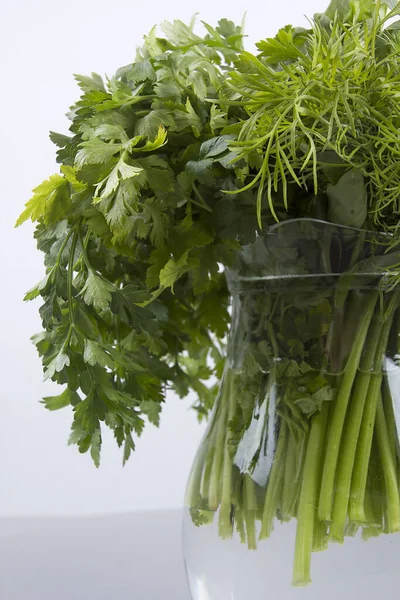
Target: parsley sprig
[{"x": 133, "y": 229}]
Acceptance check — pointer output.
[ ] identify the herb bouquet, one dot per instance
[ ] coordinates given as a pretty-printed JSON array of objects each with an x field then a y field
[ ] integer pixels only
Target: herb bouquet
[{"x": 201, "y": 172}]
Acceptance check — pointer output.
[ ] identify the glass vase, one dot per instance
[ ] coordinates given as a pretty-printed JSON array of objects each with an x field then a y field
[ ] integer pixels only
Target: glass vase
[{"x": 294, "y": 492}]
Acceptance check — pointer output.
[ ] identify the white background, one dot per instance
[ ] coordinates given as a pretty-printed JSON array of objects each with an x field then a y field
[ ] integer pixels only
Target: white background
[{"x": 42, "y": 42}]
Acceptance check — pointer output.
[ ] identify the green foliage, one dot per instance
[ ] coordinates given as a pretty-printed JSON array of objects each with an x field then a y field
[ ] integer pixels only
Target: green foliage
[
  {"x": 326, "y": 93},
  {"x": 347, "y": 200},
  {"x": 50, "y": 202},
  {"x": 134, "y": 303},
  {"x": 173, "y": 165}
]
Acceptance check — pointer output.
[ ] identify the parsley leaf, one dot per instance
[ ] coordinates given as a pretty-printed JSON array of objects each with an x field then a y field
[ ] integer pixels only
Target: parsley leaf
[
  {"x": 50, "y": 202},
  {"x": 97, "y": 291}
]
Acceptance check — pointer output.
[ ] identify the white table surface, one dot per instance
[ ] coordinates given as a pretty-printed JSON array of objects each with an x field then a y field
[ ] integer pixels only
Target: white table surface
[{"x": 120, "y": 557}]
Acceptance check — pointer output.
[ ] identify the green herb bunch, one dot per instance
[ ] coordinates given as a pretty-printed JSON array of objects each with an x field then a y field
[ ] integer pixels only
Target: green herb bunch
[
  {"x": 323, "y": 117},
  {"x": 133, "y": 230},
  {"x": 175, "y": 172},
  {"x": 320, "y": 141}
]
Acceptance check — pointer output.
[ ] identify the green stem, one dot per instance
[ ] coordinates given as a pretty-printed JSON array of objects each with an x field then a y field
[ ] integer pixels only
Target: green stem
[
  {"x": 206, "y": 458},
  {"x": 373, "y": 511},
  {"x": 193, "y": 496},
  {"x": 288, "y": 503},
  {"x": 348, "y": 308},
  {"x": 225, "y": 524},
  {"x": 214, "y": 493},
  {"x": 206, "y": 478},
  {"x": 84, "y": 244},
  {"x": 273, "y": 340},
  {"x": 375, "y": 489},
  {"x": 250, "y": 510},
  {"x": 350, "y": 437},
  {"x": 373, "y": 498},
  {"x": 308, "y": 498},
  {"x": 351, "y": 529},
  {"x": 201, "y": 202},
  {"x": 375, "y": 486},
  {"x": 390, "y": 419},
  {"x": 321, "y": 535},
  {"x": 70, "y": 292},
  {"x": 339, "y": 413},
  {"x": 274, "y": 485},
  {"x": 357, "y": 249},
  {"x": 389, "y": 471},
  {"x": 239, "y": 520},
  {"x": 370, "y": 532},
  {"x": 333, "y": 341},
  {"x": 293, "y": 474},
  {"x": 63, "y": 246},
  {"x": 363, "y": 453},
  {"x": 249, "y": 491}
]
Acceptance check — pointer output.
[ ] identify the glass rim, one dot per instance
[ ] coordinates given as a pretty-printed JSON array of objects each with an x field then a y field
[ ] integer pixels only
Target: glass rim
[
  {"x": 276, "y": 226},
  {"x": 380, "y": 274}
]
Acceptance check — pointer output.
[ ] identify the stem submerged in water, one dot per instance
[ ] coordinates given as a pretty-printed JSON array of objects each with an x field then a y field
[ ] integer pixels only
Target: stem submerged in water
[
  {"x": 275, "y": 483},
  {"x": 363, "y": 453},
  {"x": 250, "y": 507},
  {"x": 388, "y": 470},
  {"x": 332, "y": 465},
  {"x": 214, "y": 492},
  {"x": 339, "y": 414},
  {"x": 225, "y": 521},
  {"x": 290, "y": 484},
  {"x": 351, "y": 434},
  {"x": 308, "y": 499}
]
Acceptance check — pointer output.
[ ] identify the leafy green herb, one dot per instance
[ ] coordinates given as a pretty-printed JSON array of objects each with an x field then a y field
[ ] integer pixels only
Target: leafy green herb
[
  {"x": 134, "y": 301},
  {"x": 328, "y": 91},
  {"x": 172, "y": 172}
]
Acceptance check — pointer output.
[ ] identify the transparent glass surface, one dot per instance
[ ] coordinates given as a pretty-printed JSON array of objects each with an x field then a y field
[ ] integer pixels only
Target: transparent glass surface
[{"x": 294, "y": 491}]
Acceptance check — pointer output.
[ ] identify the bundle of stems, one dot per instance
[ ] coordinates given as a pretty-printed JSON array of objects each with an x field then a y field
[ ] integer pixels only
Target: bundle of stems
[{"x": 335, "y": 470}]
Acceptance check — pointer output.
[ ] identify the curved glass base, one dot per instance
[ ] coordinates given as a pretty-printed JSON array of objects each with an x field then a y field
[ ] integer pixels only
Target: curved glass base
[{"x": 220, "y": 569}]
